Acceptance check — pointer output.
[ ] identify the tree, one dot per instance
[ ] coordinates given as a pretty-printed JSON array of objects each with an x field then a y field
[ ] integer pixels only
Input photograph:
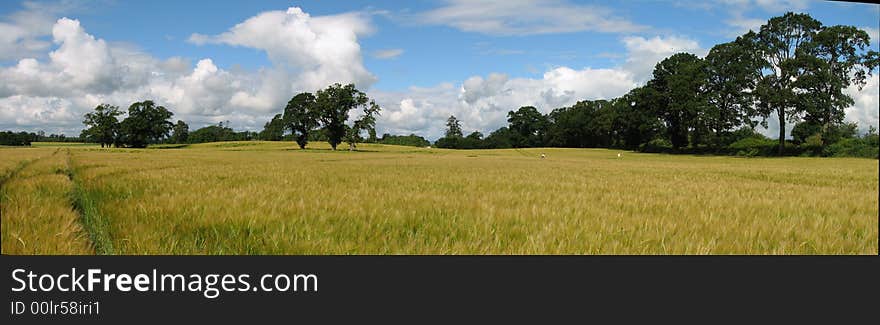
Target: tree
[
  {"x": 334, "y": 103},
  {"x": 680, "y": 83},
  {"x": 733, "y": 70},
  {"x": 273, "y": 130},
  {"x": 635, "y": 123},
  {"x": 499, "y": 139},
  {"x": 453, "y": 127},
  {"x": 527, "y": 126},
  {"x": 180, "y": 132},
  {"x": 301, "y": 117},
  {"x": 367, "y": 122},
  {"x": 835, "y": 59},
  {"x": 103, "y": 127},
  {"x": 780, "y": 45},
  {"x": 146, "y": 123}
]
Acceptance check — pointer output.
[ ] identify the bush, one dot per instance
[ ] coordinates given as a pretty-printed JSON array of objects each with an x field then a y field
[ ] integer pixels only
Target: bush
[
  {"x": 856, "y": 147},
  {"x": 812, "y": 145},
  {"x": 753, "y": 146},
  {"x": 656, "y": 146}
]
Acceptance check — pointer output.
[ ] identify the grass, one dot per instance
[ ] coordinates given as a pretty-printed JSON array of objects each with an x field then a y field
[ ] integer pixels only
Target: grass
[
  {"x": 272, "y": 198},
  {"x": 35, "y": 204}
]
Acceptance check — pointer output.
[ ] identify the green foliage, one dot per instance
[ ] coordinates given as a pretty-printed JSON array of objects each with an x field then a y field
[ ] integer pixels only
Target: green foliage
[
  {"x": 9, "y": 138},
  {"x": 366, "y": 122},
  {"x": 527, "y": 127},
  {"x": 102, "y": 125},
  {"x": 733, "y": 71},
  {"x": 866, "y": 146},
  {"x": 146, "y": 123},
  {"x": 753, "y": 146},
  {"x": 219, "y": 132},
  {"x": 657, "y": 145},
  {"x": 587, "y": 124},
  {"x": 334, "y": 104},
  {"x": 499, "y": 139},
  {"x": 301, "y": 117},
  {"x": 679, "y": 81},
  {"x": 453, "y": 127},
  {"x": 273, "y": 130},
  {"x": 180, "y": 133},
  {"x": 404, "y": 140}
]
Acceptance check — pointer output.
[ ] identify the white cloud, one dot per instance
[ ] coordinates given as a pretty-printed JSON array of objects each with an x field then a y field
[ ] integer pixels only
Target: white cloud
[
  {"x": 865, "y": 111},
  {"x": 82, "y": 71},
  {"x": 522, "y": 17},
  {"x": 387, "y": 54},
  {"x": 644, "y": 53},
  {"x": 22, "y": 32},
  {"x": 321, "y": 50}
]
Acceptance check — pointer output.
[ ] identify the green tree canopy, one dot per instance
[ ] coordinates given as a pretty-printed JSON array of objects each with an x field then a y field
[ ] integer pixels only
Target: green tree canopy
[
  {"x": 146, "y": 123},
  {"x": 103, "y": 126}
]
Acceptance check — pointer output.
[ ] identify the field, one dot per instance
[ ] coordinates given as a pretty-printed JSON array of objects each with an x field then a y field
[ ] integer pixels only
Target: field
[{"x": 272, "y": 198}]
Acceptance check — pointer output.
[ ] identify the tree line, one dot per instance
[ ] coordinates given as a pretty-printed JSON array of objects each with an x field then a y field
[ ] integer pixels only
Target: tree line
[
  {"x": 306, "y": 117},
  {"x": 793, "y": 68},
  {"x": 9, "y": 138}
]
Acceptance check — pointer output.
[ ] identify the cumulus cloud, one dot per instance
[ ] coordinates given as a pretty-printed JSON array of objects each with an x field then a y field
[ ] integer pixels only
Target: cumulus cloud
[
  {"x": 522, "y": 17},
  {"x": 321, "y": 50},
  {"x": 54, "y": 91}
]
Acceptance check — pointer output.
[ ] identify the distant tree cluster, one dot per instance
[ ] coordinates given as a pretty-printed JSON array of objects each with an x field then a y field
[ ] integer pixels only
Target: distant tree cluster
[
  {"x": 793, "y": 68},
  {"x": 9, "y": 138},
  {"x": 404, "y": 140},
  {"x": 146, "y": 123}
]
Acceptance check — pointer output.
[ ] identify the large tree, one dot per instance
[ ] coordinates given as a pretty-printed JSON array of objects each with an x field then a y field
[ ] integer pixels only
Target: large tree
[
  {"x": 301, "y": 117},
  {"x": 780, "y": 45},
  {"x": 146, "y": 123},
  {"x": 680, "y": 82},
  {"x": 527, "y": 126},
  {"x": 733, "y": 70},
  {"x": 334, "y": 103},
  {"x": 103, "y": 126},
  {"x": 835, "y": 59}
]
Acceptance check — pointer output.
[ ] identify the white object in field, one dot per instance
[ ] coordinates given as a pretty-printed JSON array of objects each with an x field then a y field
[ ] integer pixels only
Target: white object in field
[
  {"x": 618, "y": 155},
  {"x": 543, "y": 156}
]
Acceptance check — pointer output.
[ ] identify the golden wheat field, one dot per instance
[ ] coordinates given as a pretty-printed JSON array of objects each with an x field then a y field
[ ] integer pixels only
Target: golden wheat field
[{"x": 272, "y": 198}]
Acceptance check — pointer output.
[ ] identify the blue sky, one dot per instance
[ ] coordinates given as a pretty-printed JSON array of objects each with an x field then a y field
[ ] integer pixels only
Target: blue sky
[{"x": 420, "y": 59}]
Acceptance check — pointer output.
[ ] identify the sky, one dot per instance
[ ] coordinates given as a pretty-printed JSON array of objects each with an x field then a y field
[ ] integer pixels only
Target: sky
[{"x": 422, "y": 61}]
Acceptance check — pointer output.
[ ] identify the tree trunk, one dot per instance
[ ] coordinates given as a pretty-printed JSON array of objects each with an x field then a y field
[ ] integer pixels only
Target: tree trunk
[{"x": 781, "y": 113}]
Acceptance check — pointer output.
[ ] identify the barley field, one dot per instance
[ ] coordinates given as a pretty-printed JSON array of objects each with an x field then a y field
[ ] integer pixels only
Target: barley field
[{"x": 272, "y": 198}]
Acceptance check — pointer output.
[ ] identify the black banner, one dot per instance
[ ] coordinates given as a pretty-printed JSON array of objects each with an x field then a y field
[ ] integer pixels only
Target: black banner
[{"x": 414, "y": 289}]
